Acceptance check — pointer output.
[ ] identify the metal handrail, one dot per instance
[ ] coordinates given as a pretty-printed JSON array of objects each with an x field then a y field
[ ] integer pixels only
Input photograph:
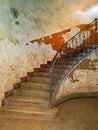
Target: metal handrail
[
  {"x": 67, "y": 47},
  {"x": 70, "y": 70},
  {"x": 68, "y": 41}
]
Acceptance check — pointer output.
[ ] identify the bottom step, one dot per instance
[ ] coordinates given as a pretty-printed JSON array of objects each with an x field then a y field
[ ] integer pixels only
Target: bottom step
[{"x": 32, "y": 110}]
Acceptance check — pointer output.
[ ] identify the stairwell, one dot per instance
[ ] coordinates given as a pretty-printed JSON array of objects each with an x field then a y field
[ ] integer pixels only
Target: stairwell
[{"x": 34, "y": 96}]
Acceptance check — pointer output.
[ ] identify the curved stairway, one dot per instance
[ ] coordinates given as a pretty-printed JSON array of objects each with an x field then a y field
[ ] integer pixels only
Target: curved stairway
[{"x": 34, "y": 96}]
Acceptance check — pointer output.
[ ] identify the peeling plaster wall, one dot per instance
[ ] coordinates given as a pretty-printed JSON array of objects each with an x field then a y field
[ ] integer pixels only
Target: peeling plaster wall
[
  {"x": 17, "y": 60},
  {"x": 37, "y": 18},
  {"x": 83, "y": 79}
]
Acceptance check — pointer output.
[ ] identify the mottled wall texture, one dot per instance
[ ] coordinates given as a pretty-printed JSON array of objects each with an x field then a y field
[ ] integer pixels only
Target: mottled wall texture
[
  {"x": 83, "y": 79},
  {"x": 29, "y": 33}
]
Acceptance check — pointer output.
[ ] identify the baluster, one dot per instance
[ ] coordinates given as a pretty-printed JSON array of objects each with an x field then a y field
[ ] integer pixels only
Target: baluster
[
  {"x": 76, "y": 43},
  {"x": 95, "y": 30},
  {"x": 59, "y": 65},
  {"x": 87, "y": 34},
  {"x": 64, "y": 54},
  {"x": 83, "y": 37},
  {"x": 90, "y": 36},
  {"x": 57, "y": 69},
  {"x": 67, "y": 47},
  {"x": 80, "y": 42},
  {"x": 51, "y": 82},
  {"x": 72, "y": 42},
  {"x": 71, "y": 45},
  {"x": 83, "y": 40},
  {"x": 68, "y": 44}
]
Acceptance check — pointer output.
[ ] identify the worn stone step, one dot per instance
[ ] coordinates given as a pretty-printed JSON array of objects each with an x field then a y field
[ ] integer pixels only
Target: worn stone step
[
  {"x": 46, "y": 70},
  {"x": 28, "y": 100},
  {"x": 24, "y": 111},
  {"x": 45, "y": 74},
  {"x": 39, "y": 79},
  {"x": 62, "y": 66},
  {"x": 42, "y": 74},
  {"x": 73, "y": 55},
  {"x": 32, "y": 92},
  {"x": 65, "y": 63},
  {"x": 35, "y": 84},
  {"x": 54, "y": 69}
]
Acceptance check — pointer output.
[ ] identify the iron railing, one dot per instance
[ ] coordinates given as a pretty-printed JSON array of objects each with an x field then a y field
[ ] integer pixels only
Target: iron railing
[{"x": 82, "y": 40}]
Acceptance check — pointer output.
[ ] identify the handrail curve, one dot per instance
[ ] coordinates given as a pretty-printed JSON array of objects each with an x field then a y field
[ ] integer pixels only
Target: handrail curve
[{"x": 79, "y": 42}]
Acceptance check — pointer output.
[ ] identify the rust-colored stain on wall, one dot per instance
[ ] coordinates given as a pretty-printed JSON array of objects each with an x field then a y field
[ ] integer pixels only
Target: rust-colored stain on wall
[{"x": 57, "y": 41}]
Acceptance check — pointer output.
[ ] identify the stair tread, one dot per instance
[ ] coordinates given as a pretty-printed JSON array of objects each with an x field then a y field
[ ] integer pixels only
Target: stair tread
[
  {"x": 40, "y": 77},
  {"x": 33, "y": 90},
  {"x": 29, "y": 109},
  {"x": 37, "y": 83},
  {"x": 42, "y": 72},
  {"x": 28, "y": 98},
  {"x": 48, "y": 69}
]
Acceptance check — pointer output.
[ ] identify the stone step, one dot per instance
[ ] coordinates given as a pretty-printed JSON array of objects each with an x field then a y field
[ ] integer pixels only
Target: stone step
[
  {"x": 28, "y": 100},
  {"x": 32, "y": 92},
  {"x": 71, "y": 58},
  {"x": 40, "y": 78},
  {"x": 65, "y": 62},
  {"x": 42, "y": 74},
  {"x": 63, "y": 69},
  {"x": 72, "y": 55},
  {"x": 35, "y": 84},
  {"x": 55, "y": 70},
  {"x": 45, "y": 74},
  {"x": 29, "y": 111},
  {"x": 62, "y": 66}
]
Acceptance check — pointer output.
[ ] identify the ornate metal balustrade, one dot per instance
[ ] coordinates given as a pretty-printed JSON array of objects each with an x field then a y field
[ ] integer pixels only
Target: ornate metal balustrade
[{"x": 87, "y": 37}]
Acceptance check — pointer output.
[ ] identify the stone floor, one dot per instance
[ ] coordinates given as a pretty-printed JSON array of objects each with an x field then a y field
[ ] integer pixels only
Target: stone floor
[{"x": 76, "y": 114}]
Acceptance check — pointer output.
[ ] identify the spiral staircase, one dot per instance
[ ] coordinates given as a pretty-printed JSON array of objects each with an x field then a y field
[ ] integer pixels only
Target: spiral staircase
[{"x": 36, "y": 96}]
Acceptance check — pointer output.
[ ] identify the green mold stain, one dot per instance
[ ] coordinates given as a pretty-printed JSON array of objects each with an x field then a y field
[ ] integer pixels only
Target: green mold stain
[
  {"x": 14, "y": 12},
  {"x": 17, "y": 23}
]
